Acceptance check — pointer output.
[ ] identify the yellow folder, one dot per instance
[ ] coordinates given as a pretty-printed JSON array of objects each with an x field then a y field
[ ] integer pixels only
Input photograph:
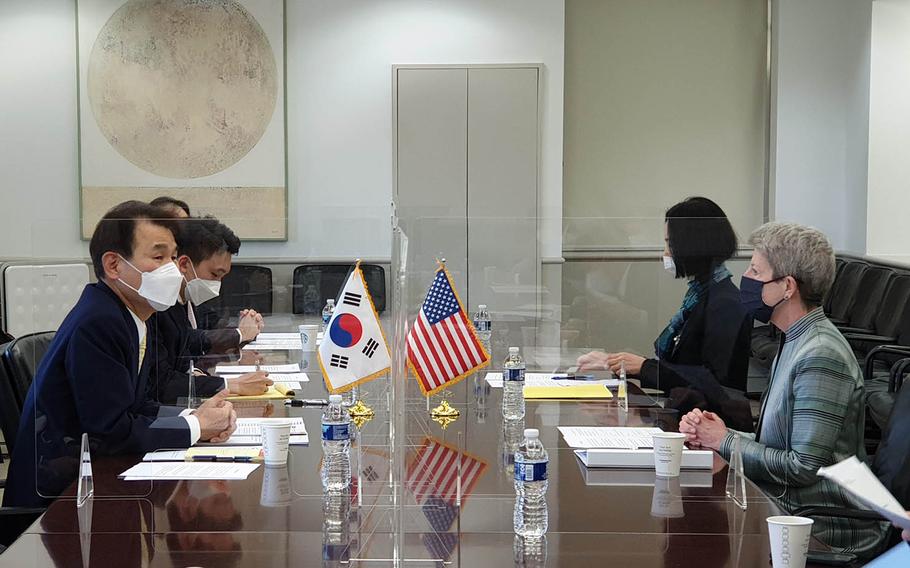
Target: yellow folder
[
  {"x": 570, "y": 392},
  {"x": 274, "y": 392}
]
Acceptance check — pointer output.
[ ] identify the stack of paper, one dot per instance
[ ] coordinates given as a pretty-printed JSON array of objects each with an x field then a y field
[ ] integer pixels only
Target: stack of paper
[
  {"x": 622, "y": 447},
  {"x": 284, "y": 341},
  {"x": 249, "y": 431},
  {"x": 550, "y": 380},
  {"x": 241, "y": 369},
  {"x": 856, "y": 477},
  {"x": 165, "y": 471},
  {"x": 207, "y": 453}
]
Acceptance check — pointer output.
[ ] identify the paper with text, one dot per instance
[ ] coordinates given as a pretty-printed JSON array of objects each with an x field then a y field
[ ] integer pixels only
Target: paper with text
[{"x": 627, "y": 438}]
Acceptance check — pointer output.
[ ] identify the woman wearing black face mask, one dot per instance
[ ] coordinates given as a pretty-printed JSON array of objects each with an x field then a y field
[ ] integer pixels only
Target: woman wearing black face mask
[
  {"x": 702, "y": 356},
  {"x": 813, "y": 412}
]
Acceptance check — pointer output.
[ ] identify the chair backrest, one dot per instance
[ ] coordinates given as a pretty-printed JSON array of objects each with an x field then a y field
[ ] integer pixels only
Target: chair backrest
[
  {"x": 843, "y": 292},
  {"x": 316, "y": 283},
  {"x": 10, "y": 410},
  {"x": 892, "y": 460},
  {"x": 245, "y": 286},
  {"x": 22, "y": 357},
  {"x": 839, "y": 264},
  {"x": 873, "y": 287},
  {"x": 888, "y": 319}
]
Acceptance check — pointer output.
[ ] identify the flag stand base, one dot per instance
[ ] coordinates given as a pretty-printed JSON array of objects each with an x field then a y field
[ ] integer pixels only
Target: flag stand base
[{"x": 444, "y": 414}]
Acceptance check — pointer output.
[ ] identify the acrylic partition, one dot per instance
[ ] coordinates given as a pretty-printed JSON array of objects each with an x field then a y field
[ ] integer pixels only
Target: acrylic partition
[{"x": 426, "y": 470}]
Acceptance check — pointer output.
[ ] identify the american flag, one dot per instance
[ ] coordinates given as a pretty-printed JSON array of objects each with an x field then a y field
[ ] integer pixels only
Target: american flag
[
  {"x": 440, "y": 546},
  {"x": 434, "y": 473},
  {"x": 442, "y": 346}
]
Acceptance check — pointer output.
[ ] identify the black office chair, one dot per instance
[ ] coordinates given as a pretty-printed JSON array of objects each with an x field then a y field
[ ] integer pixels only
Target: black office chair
[
  {"x": 22, "y": 357},
  {"x": 14, "y": 521},
  {"x": 886, "y": 324},
  {"x": 245, "y": 286},
  {"x": 315, "y": 283},
  {"x": 873, "y": 286},
  {"x": 891, "y": 465},
  {"x": 10, "y": 410},
  {"x": 844, "y": 291}
]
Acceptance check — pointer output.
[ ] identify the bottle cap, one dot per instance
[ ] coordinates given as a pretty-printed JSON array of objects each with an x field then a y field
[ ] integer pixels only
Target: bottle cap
[
  {"x": 481, "y": 307},
  {"x": 513, "y": 350},
  {"x": 334, "y": 398},
  {"x": 532, "y": 433},
  {"x": 331, "y": 301}
]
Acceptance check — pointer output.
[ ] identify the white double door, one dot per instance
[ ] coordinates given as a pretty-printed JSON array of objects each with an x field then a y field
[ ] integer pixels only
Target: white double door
[{"x": 466, "y": 168}]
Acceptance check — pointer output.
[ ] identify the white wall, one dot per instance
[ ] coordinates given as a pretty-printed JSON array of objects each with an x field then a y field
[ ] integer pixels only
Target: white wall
[
  {"x": 340, "y": 54},
  {"x": 820, "y": 116},
  {"x": 39, "y": 215},
  {"x": 889, "y": 131}
]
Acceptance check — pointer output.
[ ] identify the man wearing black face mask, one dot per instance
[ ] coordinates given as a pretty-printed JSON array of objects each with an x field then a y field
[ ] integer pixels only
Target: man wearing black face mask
[
  {"x": 813, "y": 411},
  {"x": 93, "y": 377}
]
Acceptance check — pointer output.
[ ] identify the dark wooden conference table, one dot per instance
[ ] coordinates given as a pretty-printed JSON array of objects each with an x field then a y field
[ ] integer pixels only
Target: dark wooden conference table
[{"x": 278, "y": 517}]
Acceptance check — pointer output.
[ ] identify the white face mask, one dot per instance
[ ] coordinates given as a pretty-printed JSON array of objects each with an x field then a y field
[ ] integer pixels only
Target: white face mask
[
  {"x": 159, "y": 287},
  {"x": 199, "y": 290},
  {"x": 670, "y": 265}
]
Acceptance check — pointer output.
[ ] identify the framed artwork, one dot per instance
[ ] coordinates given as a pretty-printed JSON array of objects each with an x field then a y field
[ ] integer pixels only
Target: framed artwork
[{"x": 184, "y": 98}]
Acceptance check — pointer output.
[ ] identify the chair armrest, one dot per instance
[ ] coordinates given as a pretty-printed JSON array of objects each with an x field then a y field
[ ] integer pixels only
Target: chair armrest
[
  {"x": 858, "y": 330},
  {"x": 883, "y": 350},
  {"x": 813, "y": 511},
  {"x": 870, "y": 337},
  {"x": 896, "y": 376}
]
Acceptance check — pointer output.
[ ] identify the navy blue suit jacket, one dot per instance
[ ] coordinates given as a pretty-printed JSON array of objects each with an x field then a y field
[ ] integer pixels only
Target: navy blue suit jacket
[{"x": 88, "y": 381}]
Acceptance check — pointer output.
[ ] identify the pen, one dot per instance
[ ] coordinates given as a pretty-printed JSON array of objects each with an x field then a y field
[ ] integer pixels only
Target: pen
[
  {"x": 223, "y": 458},
  {"x": 573, "y": 378},
  {"x": 306, "y": 402}
]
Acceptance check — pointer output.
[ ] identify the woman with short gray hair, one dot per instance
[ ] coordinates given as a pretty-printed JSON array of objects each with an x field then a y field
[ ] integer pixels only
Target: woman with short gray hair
[{"x": 813, "y": 410}]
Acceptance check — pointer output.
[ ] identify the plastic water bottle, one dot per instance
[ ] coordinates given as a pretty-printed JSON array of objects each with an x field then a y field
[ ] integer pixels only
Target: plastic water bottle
[
  {"x": 349, "y": 397},
  {"x": 513, "y": 385},
  {"x": 336, "y": 534},
  {"x": 531, "y": 464},
  {"x": 512, "y": 435},
  {"x": 336, "y": 446},
  {"x": 530, "y": 552},
  {"x": 327, "y": 312},
  {"x": 484, "y": 326}
]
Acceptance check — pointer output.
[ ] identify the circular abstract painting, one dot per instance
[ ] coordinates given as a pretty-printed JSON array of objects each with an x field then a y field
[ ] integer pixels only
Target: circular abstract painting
[{"x": 182, "y": 88}]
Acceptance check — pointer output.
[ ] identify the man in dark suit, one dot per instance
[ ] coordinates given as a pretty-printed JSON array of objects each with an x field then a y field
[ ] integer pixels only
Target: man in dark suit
[
  {"x": 205, "y": 247},
  {"x": 93, "y": 377}
]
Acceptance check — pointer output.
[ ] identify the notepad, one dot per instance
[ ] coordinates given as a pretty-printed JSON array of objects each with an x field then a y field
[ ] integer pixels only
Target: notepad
[
  {"x": 275, "y": 391},
  {"x": 292, "y": 380},
  {"x": 166, "y": 471},
  {"x": 549, "y": 380},
  {"x": 568, "y": 392}
]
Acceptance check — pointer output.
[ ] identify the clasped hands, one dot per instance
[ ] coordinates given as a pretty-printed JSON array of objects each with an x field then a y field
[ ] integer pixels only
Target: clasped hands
[
  {"x": 703, "y": 429},
  {"x": 217, "y": 419}
]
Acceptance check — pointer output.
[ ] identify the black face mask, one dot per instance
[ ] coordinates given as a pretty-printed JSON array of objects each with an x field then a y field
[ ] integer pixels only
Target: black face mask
[{"x": 750, "y": 291}]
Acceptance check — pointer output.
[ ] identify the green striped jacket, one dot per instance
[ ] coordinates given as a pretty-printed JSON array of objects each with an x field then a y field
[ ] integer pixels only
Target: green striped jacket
[{"x": 812, "y": 416}]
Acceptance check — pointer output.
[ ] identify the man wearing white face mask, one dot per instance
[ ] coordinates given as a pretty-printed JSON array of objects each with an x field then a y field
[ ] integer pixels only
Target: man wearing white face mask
[
  {"x": 93, "y": 377},
  {"x": 206, "y": 246}
]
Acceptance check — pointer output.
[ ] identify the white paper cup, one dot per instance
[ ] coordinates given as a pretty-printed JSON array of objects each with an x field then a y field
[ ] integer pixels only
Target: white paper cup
[
  {"x": 276, "y": 487},
  {"x": 308, "y": 336},
  {"x": 275, "y": 440},
  {"x": 667, "y": 499},
  {"x": 668, "y": 448},
  {"x": 789, "y": 541}
]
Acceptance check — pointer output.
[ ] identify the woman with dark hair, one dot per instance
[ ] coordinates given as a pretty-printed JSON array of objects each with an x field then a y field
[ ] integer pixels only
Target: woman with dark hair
[{"x": 705, "y": 346}]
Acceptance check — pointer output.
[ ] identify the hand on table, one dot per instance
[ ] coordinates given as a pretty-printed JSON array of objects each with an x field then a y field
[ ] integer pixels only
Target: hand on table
[
  {"x": 632, "y": 361},
  {"x": 703, "y": 429},
  {"x": 248, "y": 384},
  {"x": 217, "y": 419},
  {"x": 593, "y": 361}
]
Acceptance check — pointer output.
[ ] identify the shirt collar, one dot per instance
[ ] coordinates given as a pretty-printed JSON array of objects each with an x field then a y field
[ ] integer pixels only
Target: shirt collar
[{"x": 803, "y": 324}]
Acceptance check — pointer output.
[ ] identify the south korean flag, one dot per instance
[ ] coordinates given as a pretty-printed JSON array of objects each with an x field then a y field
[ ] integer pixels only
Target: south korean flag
[{"x": 354, "y": 349}]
